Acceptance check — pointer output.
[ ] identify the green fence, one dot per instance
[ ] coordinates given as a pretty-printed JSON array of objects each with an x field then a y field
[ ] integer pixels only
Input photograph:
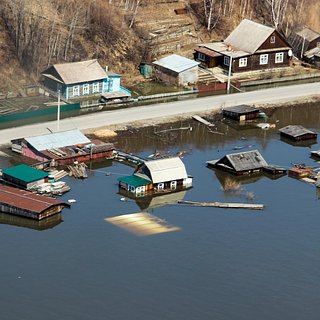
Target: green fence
[{"x": 39, "y": 112}]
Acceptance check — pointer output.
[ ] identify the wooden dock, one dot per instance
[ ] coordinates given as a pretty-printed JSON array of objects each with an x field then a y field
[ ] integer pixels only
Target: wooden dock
[
  {"x": 203, "y": 121},
  {"x": 224, "y": 205}
]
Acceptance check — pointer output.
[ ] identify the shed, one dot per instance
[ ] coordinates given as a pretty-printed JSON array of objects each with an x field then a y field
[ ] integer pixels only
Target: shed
[
  {"x": 177, "y": 70},
  {"x": 24, "y": 176},
  {"x": 297, "y": 132},
  {"x": 240, "y": 163},
  {"x": 241, "y": 112},
  {"x": 26, "y": 204}
]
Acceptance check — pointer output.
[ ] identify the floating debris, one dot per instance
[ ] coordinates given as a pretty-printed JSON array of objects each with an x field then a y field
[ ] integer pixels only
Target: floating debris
[
  {"x": 72, "y": 200},
  {"x": 224, "y": 205}
]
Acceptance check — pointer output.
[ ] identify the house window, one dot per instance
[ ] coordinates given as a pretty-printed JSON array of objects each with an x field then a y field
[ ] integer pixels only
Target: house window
[
  {"x": 160, "y": 186},
  {"x": 279, "y": 57},
  {"x": 263, "y": 59},
  {"x": 201, "y": 56},
  {"x": 243, "y": 62},
  {"x": 95, "y": 87},
  {"x": 273, "y": 39},
  {"x": 76, "y": 91},
  {"x": 85, "y": 89},
  {"x": 226, "y": 60}
]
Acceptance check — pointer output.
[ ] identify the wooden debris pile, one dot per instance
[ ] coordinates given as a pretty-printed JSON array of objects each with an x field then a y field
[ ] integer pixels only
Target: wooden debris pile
[{"x": 79, "y": 170}]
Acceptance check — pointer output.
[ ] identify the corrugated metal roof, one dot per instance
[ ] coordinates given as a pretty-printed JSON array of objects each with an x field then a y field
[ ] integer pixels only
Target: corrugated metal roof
[
  {"x": 249, "y": 36},
  {"x": 166, "y": 169},
  {"x": 308, "y": 34},
  {"x": 134, "y": 181},
  {"x": 240, "y": 109},
  {"x": 57, "y": 140},
  {"x": 77, "y": 72},
  {"x": 248, "y": 160},
  {"x": 295, "y": 130},
  {"x": 26, "y": 200},
  {"x": 176, "y": 63},
  {"x": 25, "y": 173}
]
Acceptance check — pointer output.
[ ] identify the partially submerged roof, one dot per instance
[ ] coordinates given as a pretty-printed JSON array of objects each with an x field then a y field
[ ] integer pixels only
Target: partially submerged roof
[
  {"x": 308, "y": 34},
  {"x": 76, "y": 72},
  {"x": 249, "y": 36},
  {"x": 242, "y": 161},
  {"x": 176, "y": 63},
  {"x": 25, "y": 173},
  {"x": 241, "y": 109},
  {"x": 134, "y": 181},
  {"x": 295, "y": 131},
  {"x": 167, "y": 169},
  {"x": 57, "y": 140},
  {"x": 26, "y": 200}
]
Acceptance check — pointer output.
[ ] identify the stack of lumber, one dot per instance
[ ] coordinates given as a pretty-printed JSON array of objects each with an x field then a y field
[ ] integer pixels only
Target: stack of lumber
[
  {"x": 78, "y": 170},
  {"x": 58, "y": 174}
]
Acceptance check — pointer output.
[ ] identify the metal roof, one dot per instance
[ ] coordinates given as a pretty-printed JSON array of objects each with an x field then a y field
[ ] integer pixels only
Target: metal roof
[
  {"x": 312, "y": 52},
  {"x": 244, "y": 161},
  {"x": 226, "y": 49},
  {"x": 308, "y": 34},
  {"x": 176, "y": 63},
  {"x": 25, "y": 173},
  {"x": 26, "y": 200},
  {"x": 167, "y": 169},
  {"x": 295, "y": 131},
  {"x": 240, "y": 109},
  {"x": 77, "y": 72},
  {"x": 58, "y": 140},
  {"x": 249, "y": 36},
  {"x": 134, "y": 181}
]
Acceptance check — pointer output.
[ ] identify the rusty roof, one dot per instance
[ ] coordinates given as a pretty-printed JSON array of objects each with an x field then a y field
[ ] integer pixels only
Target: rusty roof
[
  {"x": 208, "y": 52},
  {"x": 26, "y": 200}
]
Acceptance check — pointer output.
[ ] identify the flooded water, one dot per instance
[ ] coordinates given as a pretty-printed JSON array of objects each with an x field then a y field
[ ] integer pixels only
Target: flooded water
[{"x": 217, "y": 264}]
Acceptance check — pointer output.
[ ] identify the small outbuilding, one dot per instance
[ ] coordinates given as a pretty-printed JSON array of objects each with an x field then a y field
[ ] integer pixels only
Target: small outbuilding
[
  {"x": 297, "y": 133},
  {"x": 24, "y": 176},
  {"x": 167, "y": 174},
  {"x": 241, "y": 112},
  {"x": 240, "y": 163},
  {"x": 176, "y": 70}
]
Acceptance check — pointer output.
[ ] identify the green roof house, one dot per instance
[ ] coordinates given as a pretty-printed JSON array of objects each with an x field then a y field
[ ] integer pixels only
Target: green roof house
[{"x": 24, "y": 176}]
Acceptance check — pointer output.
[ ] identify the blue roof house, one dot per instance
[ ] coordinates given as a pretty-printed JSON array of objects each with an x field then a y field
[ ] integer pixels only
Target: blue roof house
[{"x": 85, "y": 78}]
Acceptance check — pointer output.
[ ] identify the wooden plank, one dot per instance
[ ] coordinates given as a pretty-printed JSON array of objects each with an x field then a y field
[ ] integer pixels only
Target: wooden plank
[
  {"x": 224, "y": 205},
  {"x": 203, "y": 121}
]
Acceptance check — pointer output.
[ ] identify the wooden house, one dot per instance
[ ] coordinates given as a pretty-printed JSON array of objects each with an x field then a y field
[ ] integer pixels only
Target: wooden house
[
  {"x": 62, "y": 147},
  {"x": 240, "y": 163},
  {"x": 251, "y": 46},
  {"x": 24, "y": 176},
  {"x": 312, "y": 56},
  {"x": 241, "y": 112},
  {"x": 82, "y": 79},
  {"x": 176, "y": 70},
  {"x": 161, "y": 175},
  {"x": 304, "y": 40},
  {"x": 297, "y": 133}
]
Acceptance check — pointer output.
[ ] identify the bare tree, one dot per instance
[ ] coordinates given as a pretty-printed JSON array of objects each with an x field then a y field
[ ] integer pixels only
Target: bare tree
[{"x": 278, "y": 10}]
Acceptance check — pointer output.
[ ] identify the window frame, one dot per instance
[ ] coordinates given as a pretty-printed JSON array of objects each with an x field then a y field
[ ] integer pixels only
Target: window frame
[
  {"x": 201, "y": 56},
  {"x": 264, "y": 59},
  {"x": 85, "y": 89},
  {"x": 243, "y": 62},
  {"x": 95, "y": 87},
  {"x": 76, "y": 91},
  {"x": 226, "y": 61},
  {"x": 273, "y": 39},
  {"x": 277, "y": 55}
]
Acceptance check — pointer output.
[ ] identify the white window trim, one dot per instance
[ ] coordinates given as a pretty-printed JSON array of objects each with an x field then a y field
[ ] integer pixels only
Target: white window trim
[
  {"x": 279, "y": 57},
  {"x": 76, "y": 91},
  {"x": 264, "y": 59},
  {"x": 201, "y": 56},
  {"x": 85, "y": 88},
  {"x": 273, "y": 39},
  {"x": 243, "y": 62},
  {"x": 95, "y": 87},
  {"x": 226, "y": 60}
]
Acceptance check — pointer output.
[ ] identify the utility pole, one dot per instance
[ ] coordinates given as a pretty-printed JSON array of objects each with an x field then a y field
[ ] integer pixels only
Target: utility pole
[
  {"x": 229, "y": 74},
  {"x": 58, "y": 115}
]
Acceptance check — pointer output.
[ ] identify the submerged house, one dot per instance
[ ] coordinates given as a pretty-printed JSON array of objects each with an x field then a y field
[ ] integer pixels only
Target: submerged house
[
  {"x": 297, "y": 133},
  {"x": 241, "y": 112},
  {"x": 24, "y": 176},
  {"x": 167, "y": 174},
  {"x": 62, "y": 147},
  {"x": 176, "y": 70},
  {"x": 251, "y": 46},
  {"x": 240, "y": 163},
  {"x": 82, "y": 79}
]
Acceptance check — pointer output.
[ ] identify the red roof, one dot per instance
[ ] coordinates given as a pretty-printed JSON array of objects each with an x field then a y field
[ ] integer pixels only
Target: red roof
[{"x": 26, "y": 200}]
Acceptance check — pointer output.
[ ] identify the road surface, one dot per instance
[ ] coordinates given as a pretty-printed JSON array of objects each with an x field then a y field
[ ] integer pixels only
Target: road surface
[{"x": 164, "y": 110}]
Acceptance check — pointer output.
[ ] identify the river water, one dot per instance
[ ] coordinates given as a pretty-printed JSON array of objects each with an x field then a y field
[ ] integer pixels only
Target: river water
[{"x": 221, "y": 264}]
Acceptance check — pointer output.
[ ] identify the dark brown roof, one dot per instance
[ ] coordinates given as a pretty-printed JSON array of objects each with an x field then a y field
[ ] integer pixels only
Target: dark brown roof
[
  {"x": 26, "y": 200},
  {"x": 208, "y": 52}
]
